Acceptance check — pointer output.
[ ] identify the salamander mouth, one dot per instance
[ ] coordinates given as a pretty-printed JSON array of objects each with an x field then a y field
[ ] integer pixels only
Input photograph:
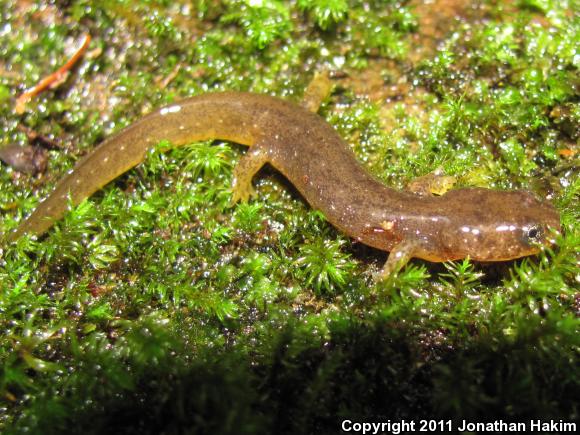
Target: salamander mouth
[
  {"x": 505, "y": 252},
  {"x": 504, "y": 259}
]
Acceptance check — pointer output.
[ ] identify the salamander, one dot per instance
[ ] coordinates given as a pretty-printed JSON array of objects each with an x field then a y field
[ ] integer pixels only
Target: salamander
[{"x": 483, "y": 224}]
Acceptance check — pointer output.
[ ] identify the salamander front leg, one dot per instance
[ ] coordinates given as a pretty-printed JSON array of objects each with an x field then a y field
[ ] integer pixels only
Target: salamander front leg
[
  {"x": 434, "y": 183},
  {"x": 245, "y": 170},
  {"x": 398, "y": 257}
]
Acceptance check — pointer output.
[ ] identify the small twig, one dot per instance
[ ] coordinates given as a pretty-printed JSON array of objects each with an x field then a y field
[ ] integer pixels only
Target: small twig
[
  {"x": 56, "y": 77},
  {"x": 567, "y": 153},
  {"x": 164, "y": 82},
  {"x": 43, "y": 141}
]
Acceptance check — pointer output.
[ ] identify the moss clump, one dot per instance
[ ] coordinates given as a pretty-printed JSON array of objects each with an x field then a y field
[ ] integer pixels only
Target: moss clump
[{"x": 146, "y": 381}]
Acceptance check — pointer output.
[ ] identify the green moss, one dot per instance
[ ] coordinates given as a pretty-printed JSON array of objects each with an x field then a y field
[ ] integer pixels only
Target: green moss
[
  {"x": 323, "y": 265},
  {"x": 325, "y": 12},
  {"x": 157, "y": 305},
  {"x": 263, "y": 21}
]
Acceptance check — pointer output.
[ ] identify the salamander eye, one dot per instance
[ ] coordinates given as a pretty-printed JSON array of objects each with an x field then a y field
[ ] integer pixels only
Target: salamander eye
[{"x": 533, "y": 234}]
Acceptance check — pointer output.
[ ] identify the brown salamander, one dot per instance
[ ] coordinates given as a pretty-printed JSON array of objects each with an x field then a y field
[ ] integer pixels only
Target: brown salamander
[{"x": 486, "y": 225}]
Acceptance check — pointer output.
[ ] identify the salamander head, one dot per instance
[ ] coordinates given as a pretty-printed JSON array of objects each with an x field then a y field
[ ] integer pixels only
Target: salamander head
[{"x": 498, "y": 226}]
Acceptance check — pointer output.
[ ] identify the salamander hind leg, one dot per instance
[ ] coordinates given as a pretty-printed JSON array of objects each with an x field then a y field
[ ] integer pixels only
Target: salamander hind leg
[
  {"x": 317, "y": 91},
  {"x": 247, "y": 167}
]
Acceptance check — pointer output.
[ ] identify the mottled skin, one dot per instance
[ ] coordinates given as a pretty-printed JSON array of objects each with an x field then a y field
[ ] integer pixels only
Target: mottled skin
[{"x": 485, "y": 225}]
